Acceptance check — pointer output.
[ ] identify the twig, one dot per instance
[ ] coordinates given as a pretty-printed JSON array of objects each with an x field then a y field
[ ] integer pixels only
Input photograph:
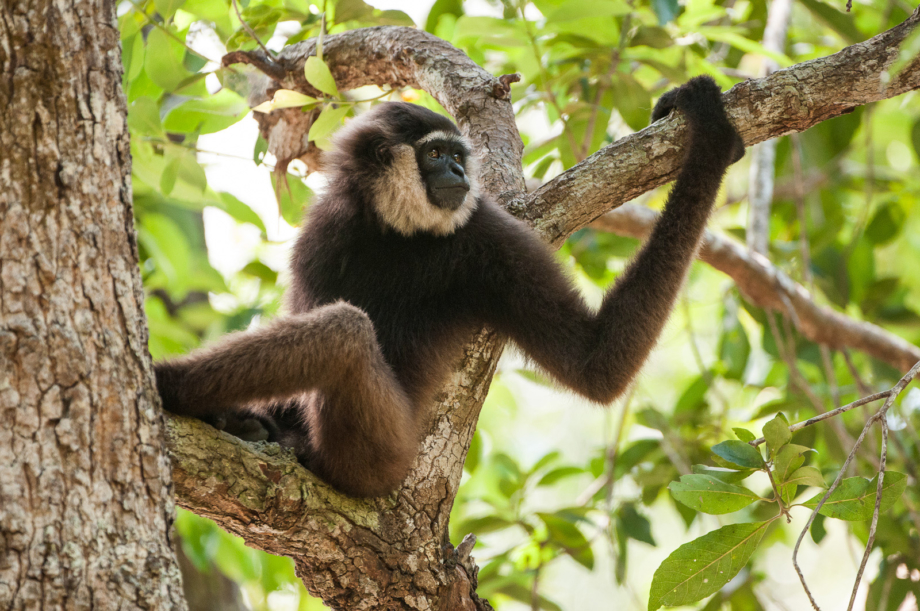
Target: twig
[
  {"x": 547, "y": 88},
  {"x": 798, "y": 426},
  {"x": 892, "y": 394},
  {"x": 252, "y": 33},
  {"x": 698, "y": 357},
  {"x": 875, "y": 512},
  {"x": 140, "y": 10},
  {"x": 613, "y": 452}
]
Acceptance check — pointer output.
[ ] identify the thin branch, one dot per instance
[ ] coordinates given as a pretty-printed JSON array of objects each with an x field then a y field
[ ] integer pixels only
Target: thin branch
[
  {"x": 798, "y": 426},
  {"x": 891, "y": 394},
  {"x": 140, "y": 10},
  {"x": 251, "y": 32},
  {"x": 763, "y": 155},
  {"x": 768, "y": 287},
  {"x": 878, "y": 505}
]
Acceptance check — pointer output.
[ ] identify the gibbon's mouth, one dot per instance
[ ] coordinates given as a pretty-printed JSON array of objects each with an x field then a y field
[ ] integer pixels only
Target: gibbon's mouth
[{"x": 450, "y": 198}]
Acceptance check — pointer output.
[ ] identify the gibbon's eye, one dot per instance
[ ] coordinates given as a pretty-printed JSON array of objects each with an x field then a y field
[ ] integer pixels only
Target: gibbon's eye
[
  {"x": 458, "y": 157},
  {"x": 434, "y": 153}
]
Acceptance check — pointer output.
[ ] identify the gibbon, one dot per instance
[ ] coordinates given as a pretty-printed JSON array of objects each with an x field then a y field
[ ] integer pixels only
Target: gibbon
[{"x": 400, "y": 260}]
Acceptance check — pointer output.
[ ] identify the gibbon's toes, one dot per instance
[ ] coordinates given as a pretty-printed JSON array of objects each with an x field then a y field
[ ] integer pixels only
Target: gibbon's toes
[
  {"x": 737, "y": 148},
  {"x": 246, "y": 428}
]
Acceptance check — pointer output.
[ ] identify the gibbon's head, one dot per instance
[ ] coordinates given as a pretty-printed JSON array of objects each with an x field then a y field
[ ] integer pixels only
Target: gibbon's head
[{"x": 412, "y": 165}]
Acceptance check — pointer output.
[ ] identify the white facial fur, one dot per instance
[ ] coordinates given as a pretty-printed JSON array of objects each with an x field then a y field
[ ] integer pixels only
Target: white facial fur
[{"x": 402, "y": 202}]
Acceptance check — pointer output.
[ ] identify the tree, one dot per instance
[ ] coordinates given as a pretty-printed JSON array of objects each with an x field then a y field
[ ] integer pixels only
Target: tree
[
  {"x": 395, "y": 552},
  {"x": 85, "y": 490}
]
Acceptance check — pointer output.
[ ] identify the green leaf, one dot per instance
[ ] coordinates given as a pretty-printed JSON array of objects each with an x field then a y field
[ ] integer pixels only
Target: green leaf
[
  {"x": 133, "y": 58},
  {"x": 259, "y": 150},
  {"x": 259, "y": 270},
  {"x": 163, "y": 60},
  {"x": 545, "y": 461},
  {"x": 915, "y": 137},
  {"x": 317, "y": 73},
  {"x": 739, "y": 453},
  {"x": 485, "y": 524},
  {"x": 524, "y": 595},
  {"x": 734, "y": 346},
  {"x": 566, "y": 535},
  {"x": 787, "y": 492},
  {"x": 442, "y": 7},
  {"x": 886, "y": 223},
  {"x": 729, "y": 476},
  {"x": 777, "y": 433},
  {"x": 744, "y": 435},
  {"x": 293, "y": 196},
  {"x": 144, "y": 117},
  {"x": 558, "y": 474},
  {"x": 651, "y": 36},
  {"x": 351, "y": 10},
  {"x": 635, "y": 525},
  {"x": 807, "y": 476},
  {"x": 633, "y": 101},
  {"x": 818, "y": 529},
  {"x": 238, "y": 210},
  {"x": 327, "y": 122},
  {"x": 167, "y": 245},
  {"x": 169, "y": 175},
  {"x": 285, "y": 98},
  {"x": 582, "y": 9},
  {"x": 787, "y": 460},
  {"x": 207, "y": 115},
  {"x": 474, "y": 454},
  {"x": 711, "y": 495},
  {"x": 854, "y": 499},
  {"x": 167, "y": 8},
  {"x": 700, "y": 568}
]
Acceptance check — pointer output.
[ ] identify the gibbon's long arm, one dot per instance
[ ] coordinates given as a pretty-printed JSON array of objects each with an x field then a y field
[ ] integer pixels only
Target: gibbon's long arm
[{"x": 598, "y": 355}]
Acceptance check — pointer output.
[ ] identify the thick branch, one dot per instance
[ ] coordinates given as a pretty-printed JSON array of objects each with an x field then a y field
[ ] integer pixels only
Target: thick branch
[
  {"x": 787, "y": 101},
  {"x": 768, "y": 287},
  {"x": 406, "y": 57}
]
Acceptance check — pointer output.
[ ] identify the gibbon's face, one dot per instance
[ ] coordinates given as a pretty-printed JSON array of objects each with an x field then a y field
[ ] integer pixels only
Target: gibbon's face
[
  {"x": 441, "y": 158},
  {"x": 429, "y": 186}
]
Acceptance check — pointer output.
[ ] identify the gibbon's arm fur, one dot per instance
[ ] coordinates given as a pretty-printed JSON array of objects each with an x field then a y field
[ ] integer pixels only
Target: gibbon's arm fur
[{"x": 399, "y": 261}]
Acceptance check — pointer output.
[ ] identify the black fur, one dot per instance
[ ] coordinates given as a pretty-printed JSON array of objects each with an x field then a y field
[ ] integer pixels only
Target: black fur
[{"x": 378, "y": 317}]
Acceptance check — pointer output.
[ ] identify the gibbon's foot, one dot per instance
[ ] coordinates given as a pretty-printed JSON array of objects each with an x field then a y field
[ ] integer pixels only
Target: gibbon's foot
[
  {"x": 700, "y": 99},
  {"x": 243, "y": 426}
]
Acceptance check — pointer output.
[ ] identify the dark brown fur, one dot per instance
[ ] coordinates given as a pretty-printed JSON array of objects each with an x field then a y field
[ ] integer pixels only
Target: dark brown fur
[{"x": 378, "y": 317}]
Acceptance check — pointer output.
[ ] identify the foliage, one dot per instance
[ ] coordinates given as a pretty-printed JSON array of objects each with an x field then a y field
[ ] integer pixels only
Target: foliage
[{"x": 591, "y": 70}]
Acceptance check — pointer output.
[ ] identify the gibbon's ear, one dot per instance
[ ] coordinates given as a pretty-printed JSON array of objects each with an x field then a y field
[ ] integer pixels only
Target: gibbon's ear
[{"x": 383, "y": 152}]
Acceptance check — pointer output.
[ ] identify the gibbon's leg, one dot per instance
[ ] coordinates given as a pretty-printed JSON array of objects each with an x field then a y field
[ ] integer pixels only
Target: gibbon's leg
[
  {"x": 598, "y": 355},
  {"x": 359, "y": 431}
]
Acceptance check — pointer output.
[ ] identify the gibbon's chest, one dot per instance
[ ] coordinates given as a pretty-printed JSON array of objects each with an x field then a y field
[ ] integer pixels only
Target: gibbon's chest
[{"x": 413, "y": 289}]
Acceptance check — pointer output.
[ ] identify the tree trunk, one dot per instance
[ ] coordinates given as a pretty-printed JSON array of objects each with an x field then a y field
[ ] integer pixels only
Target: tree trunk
[{"x": 85, "y": 488}]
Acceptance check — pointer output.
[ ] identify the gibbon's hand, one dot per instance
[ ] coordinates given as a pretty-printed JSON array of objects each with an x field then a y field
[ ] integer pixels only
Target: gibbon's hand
[{"x": 701, "y": 102}]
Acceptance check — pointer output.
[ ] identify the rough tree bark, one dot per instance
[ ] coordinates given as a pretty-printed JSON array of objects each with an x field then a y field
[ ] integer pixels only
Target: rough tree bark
[
  {"x": 393, "y": 552},
  {"x": 85, "y": 492}
]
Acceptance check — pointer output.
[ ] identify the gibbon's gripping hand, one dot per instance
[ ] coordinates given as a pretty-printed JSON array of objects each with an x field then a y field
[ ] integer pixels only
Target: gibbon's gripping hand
[{"x": 701, "y": 102}]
